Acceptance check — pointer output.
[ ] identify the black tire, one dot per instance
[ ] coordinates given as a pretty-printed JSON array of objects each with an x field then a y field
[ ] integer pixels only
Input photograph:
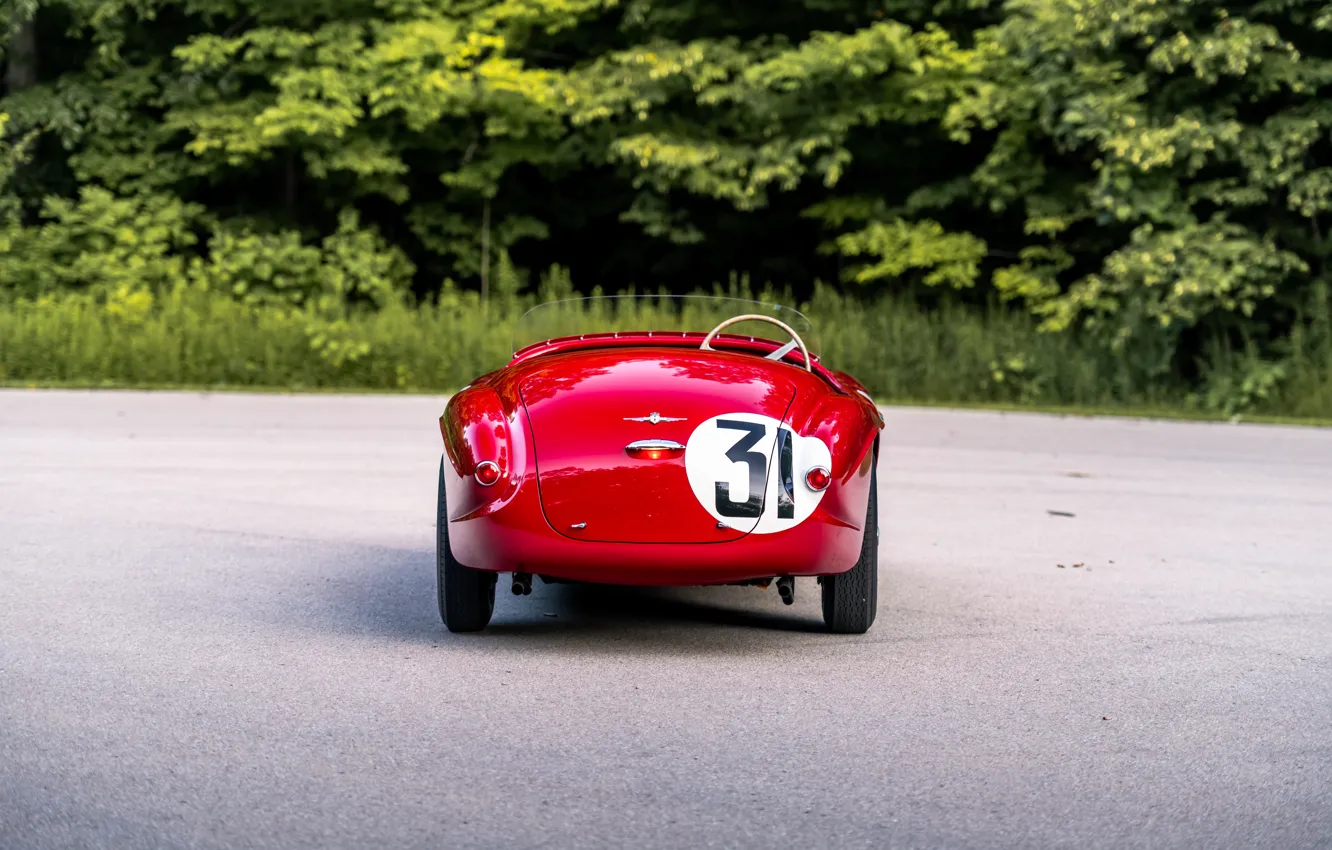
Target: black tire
[
  {"x": 466, "y": 596},
  {"x": 851, "y": 599}
]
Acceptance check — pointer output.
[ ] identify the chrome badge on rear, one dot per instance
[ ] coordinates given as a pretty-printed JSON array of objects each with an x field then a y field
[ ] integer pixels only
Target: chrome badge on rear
[{"x": 654, "y": 418}]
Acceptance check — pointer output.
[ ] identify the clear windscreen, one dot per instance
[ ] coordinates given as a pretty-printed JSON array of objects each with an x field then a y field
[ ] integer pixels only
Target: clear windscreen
[{"x": 641, "y": 313}]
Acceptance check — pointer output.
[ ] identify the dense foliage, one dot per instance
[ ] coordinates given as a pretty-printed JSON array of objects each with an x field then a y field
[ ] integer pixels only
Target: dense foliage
[
  {"x": 193, "y": 337},
  {"x": 1148, "y": 176}
]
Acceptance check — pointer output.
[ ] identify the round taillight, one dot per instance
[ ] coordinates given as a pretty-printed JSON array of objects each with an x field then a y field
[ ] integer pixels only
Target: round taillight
[
  {"x": 487, "y": 473},
  {"x": 818, "y": 478}
]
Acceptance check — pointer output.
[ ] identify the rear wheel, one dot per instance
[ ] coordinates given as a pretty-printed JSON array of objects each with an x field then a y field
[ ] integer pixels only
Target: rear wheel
[
  {"x": 466, "y": 596},
  {"x": 851, "y": 599}
]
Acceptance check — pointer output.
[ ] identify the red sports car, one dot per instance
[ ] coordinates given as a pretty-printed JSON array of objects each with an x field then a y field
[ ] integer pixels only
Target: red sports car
[{"x": 663, "y": 456}]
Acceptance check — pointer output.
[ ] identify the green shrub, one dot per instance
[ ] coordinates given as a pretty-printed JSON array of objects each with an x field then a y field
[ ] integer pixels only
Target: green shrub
[{"x": 198, "y": 336}]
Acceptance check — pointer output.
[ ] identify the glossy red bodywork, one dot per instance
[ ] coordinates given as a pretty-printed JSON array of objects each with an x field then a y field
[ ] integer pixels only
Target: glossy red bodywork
[{"x": 554, "y": 420}]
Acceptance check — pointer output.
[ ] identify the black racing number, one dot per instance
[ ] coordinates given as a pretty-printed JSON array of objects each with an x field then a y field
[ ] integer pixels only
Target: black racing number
[
  {"x": 785, "y": 462},
  {"x": 742, "y": 452}
]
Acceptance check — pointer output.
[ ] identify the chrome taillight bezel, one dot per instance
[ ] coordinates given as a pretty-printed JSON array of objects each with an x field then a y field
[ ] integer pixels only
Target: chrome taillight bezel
[{"x": 487, "y": 465}]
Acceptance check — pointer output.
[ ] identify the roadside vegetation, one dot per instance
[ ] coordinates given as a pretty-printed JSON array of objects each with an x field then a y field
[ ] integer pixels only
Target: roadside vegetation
[
  {"x": 945, "y": 355},
  {"x": 1106, "y": 203}
]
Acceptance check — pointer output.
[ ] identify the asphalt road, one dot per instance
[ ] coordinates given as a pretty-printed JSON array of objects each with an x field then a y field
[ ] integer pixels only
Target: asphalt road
[{"x": 218, "y": 630}]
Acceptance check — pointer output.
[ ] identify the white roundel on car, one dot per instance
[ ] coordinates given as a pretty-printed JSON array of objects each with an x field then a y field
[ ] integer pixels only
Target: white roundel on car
[{"x": 746, "y": 468}]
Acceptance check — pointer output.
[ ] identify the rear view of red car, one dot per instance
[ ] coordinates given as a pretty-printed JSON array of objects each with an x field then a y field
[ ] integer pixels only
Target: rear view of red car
[{"x": 661, "y": 456}]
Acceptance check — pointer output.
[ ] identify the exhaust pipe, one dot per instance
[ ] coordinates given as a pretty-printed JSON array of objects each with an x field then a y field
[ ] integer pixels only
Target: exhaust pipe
[
  {"x": 786, "y": 589},
  {"x": 522, "y": 584}
]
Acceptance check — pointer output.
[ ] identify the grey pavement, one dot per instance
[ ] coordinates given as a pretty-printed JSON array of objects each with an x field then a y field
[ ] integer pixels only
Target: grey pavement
[{"x": 218, "y": 630}]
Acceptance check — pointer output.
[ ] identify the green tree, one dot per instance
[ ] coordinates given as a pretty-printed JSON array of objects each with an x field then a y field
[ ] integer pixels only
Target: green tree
[
  {"x": 1149, "y": 174},
  {"x": 1167, "y": 159}
]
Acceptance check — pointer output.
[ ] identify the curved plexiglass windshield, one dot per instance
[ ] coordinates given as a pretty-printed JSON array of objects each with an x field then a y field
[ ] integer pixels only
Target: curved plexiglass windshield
[{"x": 627, "y": 313}]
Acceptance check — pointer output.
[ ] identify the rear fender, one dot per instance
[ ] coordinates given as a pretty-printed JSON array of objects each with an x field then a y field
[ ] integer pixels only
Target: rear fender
[
  {"x": 849, "y": 426},
  {"x": 478, "y": 426}
]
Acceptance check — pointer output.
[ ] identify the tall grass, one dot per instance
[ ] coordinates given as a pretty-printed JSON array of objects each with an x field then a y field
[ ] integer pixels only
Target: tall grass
[
  {"x": 901, "y": 352},
  {"x": 196, "y": 338},
  {"x": 1307, "y": 388}
]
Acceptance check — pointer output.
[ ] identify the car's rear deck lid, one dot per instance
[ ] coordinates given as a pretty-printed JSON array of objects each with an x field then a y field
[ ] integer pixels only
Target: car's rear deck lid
[{"x": 657, "y": 445}]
